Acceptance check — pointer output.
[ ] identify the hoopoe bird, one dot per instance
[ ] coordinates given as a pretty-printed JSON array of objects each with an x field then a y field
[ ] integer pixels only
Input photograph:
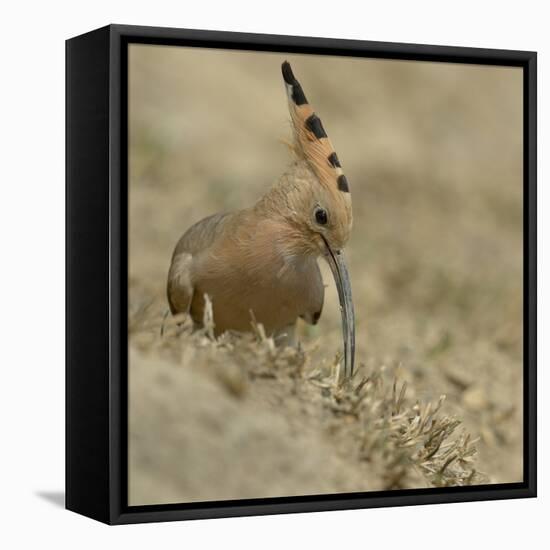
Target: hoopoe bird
[{"x": 260, "y": 263}]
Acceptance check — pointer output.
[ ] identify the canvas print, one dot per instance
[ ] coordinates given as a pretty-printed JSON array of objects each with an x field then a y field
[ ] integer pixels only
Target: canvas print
[{"x": 325, "y": 275}]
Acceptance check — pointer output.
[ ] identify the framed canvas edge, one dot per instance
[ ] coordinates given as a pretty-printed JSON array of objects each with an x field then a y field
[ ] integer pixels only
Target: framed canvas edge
[
  {"x": 87, "y": 367},
  {"x": 119, "y": 37},
  {"x": 321, "y": 503}
]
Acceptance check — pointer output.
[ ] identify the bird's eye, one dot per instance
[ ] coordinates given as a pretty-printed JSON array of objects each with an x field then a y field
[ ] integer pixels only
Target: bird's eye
[{"x": 321, "y": 216}]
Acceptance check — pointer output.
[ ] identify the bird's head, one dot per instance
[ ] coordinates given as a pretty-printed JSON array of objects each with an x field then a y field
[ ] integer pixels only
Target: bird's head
[{"x": 323, "y": 214}]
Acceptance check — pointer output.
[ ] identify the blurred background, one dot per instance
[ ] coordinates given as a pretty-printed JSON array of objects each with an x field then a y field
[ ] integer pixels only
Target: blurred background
[{"x": 433, "y": 154}]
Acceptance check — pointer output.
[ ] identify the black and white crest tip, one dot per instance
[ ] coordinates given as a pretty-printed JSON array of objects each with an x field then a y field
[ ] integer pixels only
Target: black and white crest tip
[
  {"x": 288, "y": 75},
  {"x": 297, "y": 93}
]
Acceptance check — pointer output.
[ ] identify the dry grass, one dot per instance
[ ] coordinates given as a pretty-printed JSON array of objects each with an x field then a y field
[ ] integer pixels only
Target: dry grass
[{"x": 407, "y": 442}]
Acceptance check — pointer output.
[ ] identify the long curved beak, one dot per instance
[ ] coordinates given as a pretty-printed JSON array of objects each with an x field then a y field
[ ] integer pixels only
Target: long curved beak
[{"x": 341, "y": 278}]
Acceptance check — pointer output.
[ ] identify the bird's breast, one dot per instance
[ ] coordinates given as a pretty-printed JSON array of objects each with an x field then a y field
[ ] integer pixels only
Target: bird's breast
[{"x": 255, "y": 274}]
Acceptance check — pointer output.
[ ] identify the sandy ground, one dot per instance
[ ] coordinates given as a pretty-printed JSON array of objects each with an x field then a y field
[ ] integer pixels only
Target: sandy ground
[{"x": 433, "y": 154}]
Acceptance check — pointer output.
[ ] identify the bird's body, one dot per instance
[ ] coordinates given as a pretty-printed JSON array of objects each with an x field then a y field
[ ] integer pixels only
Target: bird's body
[
  {"x": 247, "y": 264},
  {"x": 260, "y": 263}
]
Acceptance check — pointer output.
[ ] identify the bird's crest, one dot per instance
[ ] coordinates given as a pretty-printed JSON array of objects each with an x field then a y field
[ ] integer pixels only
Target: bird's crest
[{"x": 311, "y": 140}]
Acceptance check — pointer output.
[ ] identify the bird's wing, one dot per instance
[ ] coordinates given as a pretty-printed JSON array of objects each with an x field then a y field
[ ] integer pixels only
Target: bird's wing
[
  {"x": 198, "y": 238},
  {"x": 201, "y": 236},
  {"x": 180, "y": 286}
]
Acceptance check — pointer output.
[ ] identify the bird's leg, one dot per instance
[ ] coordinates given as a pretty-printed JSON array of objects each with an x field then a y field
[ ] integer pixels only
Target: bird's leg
[
  {"x": 286, "y": 337},
  {"x": 166, "y": 313}
]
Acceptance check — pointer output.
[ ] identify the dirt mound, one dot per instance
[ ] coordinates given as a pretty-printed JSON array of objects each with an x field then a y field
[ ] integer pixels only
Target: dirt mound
[{"x": 239, "y": 418}]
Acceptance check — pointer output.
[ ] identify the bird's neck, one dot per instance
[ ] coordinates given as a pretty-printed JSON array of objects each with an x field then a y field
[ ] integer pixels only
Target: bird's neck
[{"x": 280, "y": 210}]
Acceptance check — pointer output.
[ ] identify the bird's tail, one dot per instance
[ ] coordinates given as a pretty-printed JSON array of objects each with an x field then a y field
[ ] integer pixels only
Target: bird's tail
[{"x": 311, "y": 140}]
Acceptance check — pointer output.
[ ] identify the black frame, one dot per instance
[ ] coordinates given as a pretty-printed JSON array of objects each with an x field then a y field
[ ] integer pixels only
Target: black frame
[{"x": 96, "y": 272}]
